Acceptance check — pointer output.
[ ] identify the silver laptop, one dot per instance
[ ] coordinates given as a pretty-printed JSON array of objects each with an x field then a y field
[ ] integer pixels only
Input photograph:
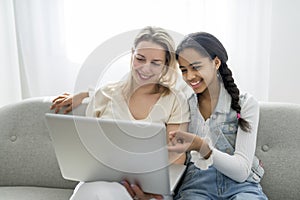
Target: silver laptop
[{"x": 94, "y": 149}]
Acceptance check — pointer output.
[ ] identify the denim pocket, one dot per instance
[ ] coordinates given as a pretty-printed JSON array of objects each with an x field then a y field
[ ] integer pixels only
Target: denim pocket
[
  {"x": 257, "y": 171},
  {"x": 229, "y": 129}
]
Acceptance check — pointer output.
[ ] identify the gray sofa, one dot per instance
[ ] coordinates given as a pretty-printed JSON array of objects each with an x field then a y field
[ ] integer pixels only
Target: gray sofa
[{"x": 29, "y": 170}]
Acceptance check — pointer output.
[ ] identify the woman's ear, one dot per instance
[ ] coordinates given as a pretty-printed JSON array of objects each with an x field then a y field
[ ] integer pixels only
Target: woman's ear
[{"x": 217, "y": 62}]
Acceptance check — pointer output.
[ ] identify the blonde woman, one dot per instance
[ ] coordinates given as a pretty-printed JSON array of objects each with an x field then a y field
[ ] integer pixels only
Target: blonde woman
[{"x": 146, "y": 95}]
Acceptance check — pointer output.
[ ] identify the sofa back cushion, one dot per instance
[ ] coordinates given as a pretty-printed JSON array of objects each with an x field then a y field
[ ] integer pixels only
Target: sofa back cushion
[
  {"x": 278, "y": 146},
  {"x": 27, "y": 156}
]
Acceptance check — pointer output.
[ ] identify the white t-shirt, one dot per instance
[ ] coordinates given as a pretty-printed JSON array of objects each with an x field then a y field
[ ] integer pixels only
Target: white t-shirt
[{"x": 109, "y": 102}]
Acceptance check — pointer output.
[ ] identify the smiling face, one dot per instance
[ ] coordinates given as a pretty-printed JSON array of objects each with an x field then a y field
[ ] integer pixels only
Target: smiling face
[
  {"x": 197, "y": 70},
  {"x": 148, "y": 62}
]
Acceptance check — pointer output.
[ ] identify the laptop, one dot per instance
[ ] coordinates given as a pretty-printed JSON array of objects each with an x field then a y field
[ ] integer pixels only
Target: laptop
[{"x": 95, "y": 149}]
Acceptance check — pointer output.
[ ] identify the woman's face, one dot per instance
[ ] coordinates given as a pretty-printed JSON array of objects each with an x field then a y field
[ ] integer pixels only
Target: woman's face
[
  {"x": 198, "y": 71},
  {"x": 148, "y": 62}
]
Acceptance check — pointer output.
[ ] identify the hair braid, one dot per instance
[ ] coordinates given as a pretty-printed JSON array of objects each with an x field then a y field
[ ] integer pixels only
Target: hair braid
[{"x": 234, "y": 92}]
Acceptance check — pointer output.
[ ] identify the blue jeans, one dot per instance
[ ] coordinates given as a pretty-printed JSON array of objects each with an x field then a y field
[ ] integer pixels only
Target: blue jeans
[{"x": 211, "y": 184}]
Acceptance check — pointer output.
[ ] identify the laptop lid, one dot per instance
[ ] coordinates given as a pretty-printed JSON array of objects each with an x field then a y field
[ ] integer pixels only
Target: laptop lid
[{"x": 95, "y": 149}]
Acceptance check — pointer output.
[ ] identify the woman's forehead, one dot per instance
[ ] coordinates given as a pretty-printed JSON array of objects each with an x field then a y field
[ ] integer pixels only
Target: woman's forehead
[
  {"x": 190, "y": 55},
  {"x": 149, "y": 45},
  {"x": 150, "y": 49}
]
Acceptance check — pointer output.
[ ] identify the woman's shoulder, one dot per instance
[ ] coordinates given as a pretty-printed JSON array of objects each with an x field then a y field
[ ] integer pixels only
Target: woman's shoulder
[
  {"x": 175, "y": 93},
  {"x": 110, "y": 89},
  {"x": 247, "y": 99}
]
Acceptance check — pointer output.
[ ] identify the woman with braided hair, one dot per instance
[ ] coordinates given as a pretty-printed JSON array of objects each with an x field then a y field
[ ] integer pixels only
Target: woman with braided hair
[{"x": 223, "y": 127}]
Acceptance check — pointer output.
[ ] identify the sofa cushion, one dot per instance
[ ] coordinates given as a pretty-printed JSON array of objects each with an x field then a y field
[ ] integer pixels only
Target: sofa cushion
[
  {"x": 278, "y": 146},
  {"x": 34, "y": 193},
  {"x": 26, "y": 152}
]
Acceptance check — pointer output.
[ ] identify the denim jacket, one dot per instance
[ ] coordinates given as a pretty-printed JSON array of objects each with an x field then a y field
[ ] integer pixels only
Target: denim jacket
[{"x": 221, "y": 128}]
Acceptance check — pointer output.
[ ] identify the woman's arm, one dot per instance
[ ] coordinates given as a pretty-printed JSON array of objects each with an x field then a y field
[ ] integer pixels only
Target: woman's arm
[
  {"x": 238, "y": 165},
  {"x": 181, "y": 141},
  {"x": 176, "y": 157},
  {"x": 68, "y": 101}
]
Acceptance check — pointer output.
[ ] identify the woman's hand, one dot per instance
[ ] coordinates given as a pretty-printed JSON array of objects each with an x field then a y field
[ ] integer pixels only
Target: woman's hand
[
  {"x": 137, "y": 193},
  {"x": 68, "y": 101},
  {"x": 181, "y": 141}
]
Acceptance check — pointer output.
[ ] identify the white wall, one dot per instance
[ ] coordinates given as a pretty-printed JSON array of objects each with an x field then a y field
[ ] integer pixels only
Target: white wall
[{"x": 285, "y": 52}]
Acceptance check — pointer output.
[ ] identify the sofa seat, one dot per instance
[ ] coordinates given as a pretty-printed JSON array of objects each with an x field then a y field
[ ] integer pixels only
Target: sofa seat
[{"x": 34, "y": 193}]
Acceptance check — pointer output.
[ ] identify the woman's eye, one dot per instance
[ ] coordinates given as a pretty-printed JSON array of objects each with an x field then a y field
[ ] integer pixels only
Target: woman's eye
[
  {"x": 183, "y": 71},
  {"x": 196, "y": 67},
  {"x": 140, "y": 59},
  {"x": 156, "y": 64}
]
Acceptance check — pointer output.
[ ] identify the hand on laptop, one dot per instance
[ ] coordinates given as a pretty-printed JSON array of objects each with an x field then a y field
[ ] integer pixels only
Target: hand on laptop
[
  {"x": 68, "y": 101},
  {"x": 137, "y": 193}
]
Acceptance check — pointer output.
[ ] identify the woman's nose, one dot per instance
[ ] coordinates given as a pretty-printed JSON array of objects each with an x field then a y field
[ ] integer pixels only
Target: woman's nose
[
  {"x": 146, "y": 67},
  {"x": 190, "y": 75}
]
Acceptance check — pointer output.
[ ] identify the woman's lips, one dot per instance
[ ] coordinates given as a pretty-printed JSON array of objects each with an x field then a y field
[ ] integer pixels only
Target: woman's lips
[
  {"x": 143, "y": 76},
  {"x": 196, "y": 84}
]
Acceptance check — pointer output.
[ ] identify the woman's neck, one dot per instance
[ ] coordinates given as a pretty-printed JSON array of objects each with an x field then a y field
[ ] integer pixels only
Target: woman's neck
[
  {"x": 208, "y": 100},
  {"x": 144, "y": 89}
]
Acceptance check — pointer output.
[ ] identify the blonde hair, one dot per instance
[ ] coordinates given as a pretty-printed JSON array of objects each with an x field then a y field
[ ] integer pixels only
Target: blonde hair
[{"x": 168, "y": 77}]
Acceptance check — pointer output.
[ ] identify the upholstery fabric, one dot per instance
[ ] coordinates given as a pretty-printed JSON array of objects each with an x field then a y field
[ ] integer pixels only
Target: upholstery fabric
[
  {"x": 278, "y": 146},
  {"x": 32, "y": 193},
  {"x": 29, "y": 169}
]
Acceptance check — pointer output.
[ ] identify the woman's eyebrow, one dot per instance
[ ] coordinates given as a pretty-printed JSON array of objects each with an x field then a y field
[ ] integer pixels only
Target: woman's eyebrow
[
  {"x": 195, "y": 63},
  {"x": 157, "y": 60},
  {"x": 192, "y": 64},
  {"x": 154, "y": 60},
  {"x": 140, "y": 55}
]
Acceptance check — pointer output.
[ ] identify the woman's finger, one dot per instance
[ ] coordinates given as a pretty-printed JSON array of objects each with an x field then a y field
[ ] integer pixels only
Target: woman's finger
[
  {"x": 128, "y": 188},
  {"x": 138, "y": 192},
  {"x": 158, "y": 196},
  {"x": 59, "y": 98},
  {"x": 68, "y": 109},
  {"x": 141, "y": 195},
  {"x": 177, "y": 149},
  {"x": 57, "y": 109}
]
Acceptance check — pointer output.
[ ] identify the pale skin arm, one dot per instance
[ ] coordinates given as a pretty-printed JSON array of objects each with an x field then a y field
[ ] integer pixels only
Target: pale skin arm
[{"x": 68, "y": 101}]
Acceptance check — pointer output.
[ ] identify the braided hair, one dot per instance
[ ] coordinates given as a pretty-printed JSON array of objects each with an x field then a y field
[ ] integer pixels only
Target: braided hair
[{"x": 209, "y": 46}]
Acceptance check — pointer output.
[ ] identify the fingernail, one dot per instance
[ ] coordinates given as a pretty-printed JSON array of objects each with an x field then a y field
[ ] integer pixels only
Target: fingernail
[{"x": 122, "y": 182}]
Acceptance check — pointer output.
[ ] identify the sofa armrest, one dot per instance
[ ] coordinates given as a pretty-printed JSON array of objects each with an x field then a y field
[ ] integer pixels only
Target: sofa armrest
[{"x": 26, "y": 152}]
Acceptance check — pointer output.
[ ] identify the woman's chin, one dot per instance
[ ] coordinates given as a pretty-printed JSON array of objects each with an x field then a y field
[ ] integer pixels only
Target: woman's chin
[
  {"x": 141, "y": 83},
  {"x": 198, "y": 90}
]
